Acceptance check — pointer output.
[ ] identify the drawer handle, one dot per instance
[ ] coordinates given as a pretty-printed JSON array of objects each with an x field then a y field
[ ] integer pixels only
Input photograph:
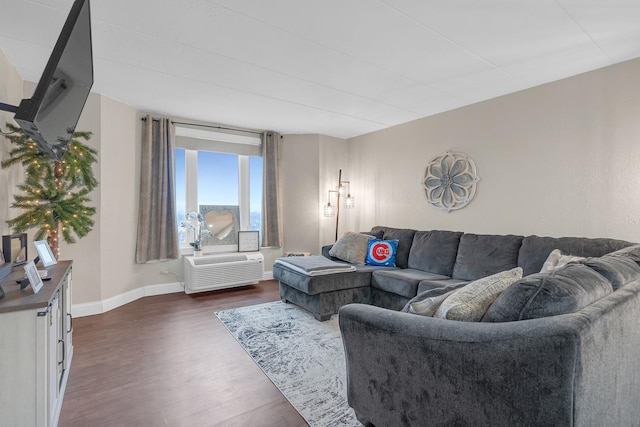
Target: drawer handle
[
  {"x": 70, "y": 323},
  {"x": 64, "y": 352}
]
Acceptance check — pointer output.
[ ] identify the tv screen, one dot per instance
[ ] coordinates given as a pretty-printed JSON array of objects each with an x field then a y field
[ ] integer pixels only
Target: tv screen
[{"x": 50, "y": 116}]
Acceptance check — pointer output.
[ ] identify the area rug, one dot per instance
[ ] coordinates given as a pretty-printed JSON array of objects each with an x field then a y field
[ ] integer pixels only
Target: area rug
[{"x": 304, "y": 358}]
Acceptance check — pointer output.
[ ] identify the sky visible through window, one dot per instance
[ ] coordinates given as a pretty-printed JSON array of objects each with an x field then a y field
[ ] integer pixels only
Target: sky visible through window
[{"x": 217, "y": 178}]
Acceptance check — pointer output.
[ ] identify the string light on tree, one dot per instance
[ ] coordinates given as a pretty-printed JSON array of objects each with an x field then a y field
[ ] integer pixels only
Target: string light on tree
[{"x": 54, "y": 192}]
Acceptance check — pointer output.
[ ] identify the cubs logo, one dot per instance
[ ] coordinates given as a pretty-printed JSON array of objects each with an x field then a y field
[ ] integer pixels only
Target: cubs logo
[{"x": 381, "y": 252}]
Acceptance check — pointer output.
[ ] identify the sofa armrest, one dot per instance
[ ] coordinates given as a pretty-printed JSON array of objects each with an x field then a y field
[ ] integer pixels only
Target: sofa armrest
[
  {"x": 325, "y": 251},
  {"x": 405, "y": 369}
]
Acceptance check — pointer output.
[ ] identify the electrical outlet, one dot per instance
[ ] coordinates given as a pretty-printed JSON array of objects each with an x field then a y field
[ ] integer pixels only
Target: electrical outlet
[{"x": 165, "y": 272}]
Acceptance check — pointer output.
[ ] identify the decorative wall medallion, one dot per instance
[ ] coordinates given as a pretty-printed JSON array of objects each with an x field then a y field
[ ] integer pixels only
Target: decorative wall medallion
[{"x": 450, "y": 181}]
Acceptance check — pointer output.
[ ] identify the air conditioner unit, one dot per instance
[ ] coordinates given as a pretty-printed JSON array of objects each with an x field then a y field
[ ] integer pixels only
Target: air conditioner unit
[{"x": 209, "y": 272}]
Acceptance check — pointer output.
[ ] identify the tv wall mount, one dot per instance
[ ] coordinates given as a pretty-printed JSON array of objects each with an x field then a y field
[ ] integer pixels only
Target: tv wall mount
[{"x": 9, "y": 108}]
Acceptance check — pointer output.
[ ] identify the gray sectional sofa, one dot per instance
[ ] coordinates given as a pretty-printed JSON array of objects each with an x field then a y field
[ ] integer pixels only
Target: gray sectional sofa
[
  {"x": 427, "y": 260},
  {"x": 559, "y": 348}
]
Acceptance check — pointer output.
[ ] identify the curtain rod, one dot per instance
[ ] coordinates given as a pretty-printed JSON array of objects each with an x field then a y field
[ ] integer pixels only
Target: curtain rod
[{"x": 144, "y": 119}]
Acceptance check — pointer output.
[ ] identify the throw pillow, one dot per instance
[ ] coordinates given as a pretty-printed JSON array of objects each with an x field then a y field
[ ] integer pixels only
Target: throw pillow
[
  {"x": 351, "y": 247},
  {"x": 565, "y": 290},
  {"x": 618, "y": 269},
  {"x": 429, "y": 305},
  {"x": 557, "y": 259},
  {"x": 472, "y": 301},
  {"x": 382, "y": 252},
  {"x": 632, "y": 252},
  {"x": 435, "y": 291}
]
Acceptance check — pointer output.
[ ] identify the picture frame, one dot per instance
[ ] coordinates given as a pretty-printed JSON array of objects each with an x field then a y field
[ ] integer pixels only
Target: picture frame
[
  {"x": 44, "y": 253},
  {"x": 221, "y": 221},
  {"x": 14, "y": 248},
  {"x": 5, "y": 268},
  {"x": 34, "y": 277},
  {"x": 248, "y": 241}
]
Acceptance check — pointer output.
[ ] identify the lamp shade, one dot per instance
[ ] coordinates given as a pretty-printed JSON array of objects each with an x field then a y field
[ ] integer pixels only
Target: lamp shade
[
  {"x": 349, "y": 202},
  {"x": 329, "y": 210}
]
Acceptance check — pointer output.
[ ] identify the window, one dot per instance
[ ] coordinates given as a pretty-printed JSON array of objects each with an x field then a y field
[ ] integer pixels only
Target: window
[{"x": 219, "y": 176}]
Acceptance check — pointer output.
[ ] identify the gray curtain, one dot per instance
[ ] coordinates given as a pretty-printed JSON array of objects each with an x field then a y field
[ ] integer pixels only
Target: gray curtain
[
  {"x": 271, "y": 205},
  {"x": 157, "y": 227}
]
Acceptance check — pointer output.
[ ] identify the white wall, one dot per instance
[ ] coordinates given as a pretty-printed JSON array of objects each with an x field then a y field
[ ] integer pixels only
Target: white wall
[{"x": 560, "y": 159}]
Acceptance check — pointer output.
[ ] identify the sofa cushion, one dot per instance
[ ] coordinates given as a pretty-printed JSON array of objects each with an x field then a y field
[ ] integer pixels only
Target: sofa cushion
[
  {"x": 351, "y": 247},
  {"x": 558, "y": 258},
  {"x": 428, "y": 305},
  {"x": 404, "y": 236},
  {"x": 432, "y": 294},
  {"x": 327, "y": 248},
  {"x": 471, "y": 302},
  {"x": 483, "y": 255},
  {"x": 562, "y": 291},
  {"x": 381, "y": 252},
  {"x": 434, "y": 251},
  {"x": 632, "y": 252},
  {"x": 403, "y": 282},
  {"x": 428, "y": 284},
  {"x": 535, "y": 250},
  {"x": 618, "y": 269}
]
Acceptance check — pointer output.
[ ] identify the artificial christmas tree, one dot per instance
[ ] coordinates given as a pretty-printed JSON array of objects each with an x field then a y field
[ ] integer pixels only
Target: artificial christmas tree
[{"x": 55, "y": 193}]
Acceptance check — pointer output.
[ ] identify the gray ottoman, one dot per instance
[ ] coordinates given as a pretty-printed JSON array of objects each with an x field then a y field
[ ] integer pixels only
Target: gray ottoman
[{"x": 322, "y": 294}]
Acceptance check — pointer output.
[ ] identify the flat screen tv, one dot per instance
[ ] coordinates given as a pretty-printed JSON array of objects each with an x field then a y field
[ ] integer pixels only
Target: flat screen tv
[{"x": 50, "y": 116}]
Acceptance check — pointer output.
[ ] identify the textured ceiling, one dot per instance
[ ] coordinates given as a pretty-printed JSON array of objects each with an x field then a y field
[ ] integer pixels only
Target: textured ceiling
[{"x": 335, "y": 67}]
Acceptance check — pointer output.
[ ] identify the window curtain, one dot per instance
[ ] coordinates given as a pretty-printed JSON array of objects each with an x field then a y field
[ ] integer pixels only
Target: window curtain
[
  {"x": 271, "y": 205},
  {"x": 157, "y": 228}
]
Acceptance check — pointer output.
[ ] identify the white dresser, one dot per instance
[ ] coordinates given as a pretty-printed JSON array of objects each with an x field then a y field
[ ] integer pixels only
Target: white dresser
[{"x": 35, "y": 348}]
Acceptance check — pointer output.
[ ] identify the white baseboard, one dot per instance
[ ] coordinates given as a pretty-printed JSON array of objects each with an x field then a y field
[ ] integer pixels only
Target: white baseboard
[{"x": 99, "y": 307}]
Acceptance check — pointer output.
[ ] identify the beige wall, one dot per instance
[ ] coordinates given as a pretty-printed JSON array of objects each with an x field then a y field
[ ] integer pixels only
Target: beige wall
[
  {"x": 300, "y": 194},
  {"x": 559, "y": 159},
  {"x": 118, "y": 202},
  {"x": 85, "y": 253},
  {"x": 104, "y": 264},
  {"x": 310, "y": 165},
  {"x": 103, "y": 260},
  {"x": 333, "y": 157},
  {"x": 10, "y": 93}
]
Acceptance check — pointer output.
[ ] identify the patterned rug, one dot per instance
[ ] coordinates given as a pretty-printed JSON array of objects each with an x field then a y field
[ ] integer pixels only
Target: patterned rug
[{"x": 304, "y": 358}]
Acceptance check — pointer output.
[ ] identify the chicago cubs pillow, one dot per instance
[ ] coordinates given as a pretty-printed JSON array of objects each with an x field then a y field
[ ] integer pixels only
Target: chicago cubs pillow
[{"x": 382, "y": 252}]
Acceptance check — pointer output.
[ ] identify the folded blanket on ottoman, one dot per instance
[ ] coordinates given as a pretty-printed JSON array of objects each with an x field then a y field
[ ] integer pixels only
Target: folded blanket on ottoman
[{"x": 315, "y": 265}]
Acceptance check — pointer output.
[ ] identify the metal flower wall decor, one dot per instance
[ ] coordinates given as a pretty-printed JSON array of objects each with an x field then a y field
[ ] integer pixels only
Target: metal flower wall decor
[{"x": 450, "y": 181}]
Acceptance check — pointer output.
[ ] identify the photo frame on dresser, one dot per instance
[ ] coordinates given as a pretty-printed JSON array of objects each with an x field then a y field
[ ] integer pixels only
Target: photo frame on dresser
[
  {"x": 45, "y": 254},
  {"x": 14, "y": 248},
  {"x": 5, "y": 266},
  {"x": 34, "y": 277}
]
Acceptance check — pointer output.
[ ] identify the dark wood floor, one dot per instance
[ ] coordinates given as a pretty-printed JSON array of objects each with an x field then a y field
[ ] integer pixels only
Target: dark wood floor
[{"x": 168, "y": 360}]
